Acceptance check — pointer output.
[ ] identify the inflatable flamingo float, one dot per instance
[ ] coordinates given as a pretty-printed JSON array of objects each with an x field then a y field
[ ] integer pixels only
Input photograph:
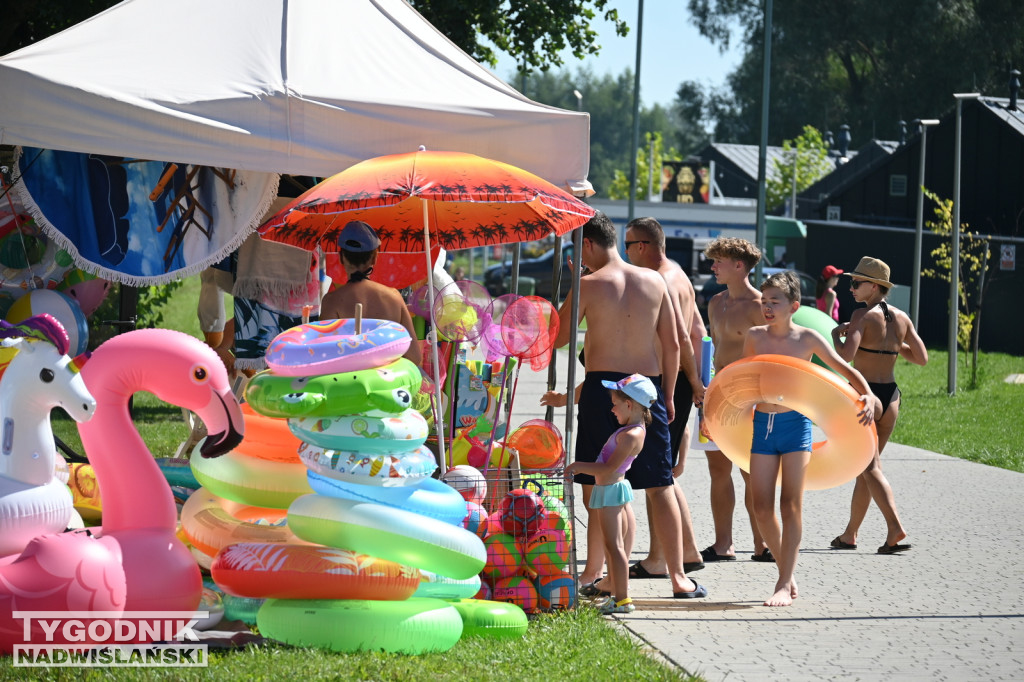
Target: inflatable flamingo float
[{"x": 138, "y": 509}]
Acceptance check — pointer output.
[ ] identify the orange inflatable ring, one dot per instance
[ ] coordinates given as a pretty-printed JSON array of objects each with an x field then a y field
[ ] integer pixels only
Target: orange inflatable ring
[
  {"x": 209, "y": 525},
  {"x": 268, "y": 437},
  {"x": 824, "y": 397},
  {"x": 256, "y": 569}
]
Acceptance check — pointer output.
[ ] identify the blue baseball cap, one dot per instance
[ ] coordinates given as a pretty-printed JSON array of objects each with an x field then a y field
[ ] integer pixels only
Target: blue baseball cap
[
  {"x": 358, "y": 237},
  {"x": 636, "y": 386}
]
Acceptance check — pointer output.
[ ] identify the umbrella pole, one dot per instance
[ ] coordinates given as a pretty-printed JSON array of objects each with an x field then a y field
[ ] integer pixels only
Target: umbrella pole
[{"x": 432, "y": 336}]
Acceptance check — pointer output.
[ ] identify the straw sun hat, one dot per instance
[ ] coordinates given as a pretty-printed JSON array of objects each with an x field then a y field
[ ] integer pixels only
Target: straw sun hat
[{"x": 872, "y": 270}]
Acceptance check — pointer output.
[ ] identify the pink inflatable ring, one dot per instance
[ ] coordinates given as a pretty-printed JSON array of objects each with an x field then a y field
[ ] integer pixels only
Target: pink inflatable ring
[{"x": 332, "y": 346}]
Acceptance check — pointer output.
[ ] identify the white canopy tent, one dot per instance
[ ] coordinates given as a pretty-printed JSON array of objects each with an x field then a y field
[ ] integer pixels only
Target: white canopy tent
[{"x": 305, "y": 87}]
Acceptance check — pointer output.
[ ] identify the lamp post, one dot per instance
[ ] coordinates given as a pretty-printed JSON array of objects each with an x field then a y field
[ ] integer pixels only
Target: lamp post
[
  {"x": 579, "y": 100},
  {"x": 954, "y": 264},
  {"x": 915, "y": 293}
]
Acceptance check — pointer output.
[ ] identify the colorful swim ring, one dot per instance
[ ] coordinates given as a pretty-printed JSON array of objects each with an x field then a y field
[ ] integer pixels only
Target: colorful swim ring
[
  {"x": 251, "y": 480},
  {"x": 209, "y": 527},
  {"x": 388, "y": 533},
  {"x": 377, "y": 469},
  {"x": 332, "y": 346},
  {"x": 413, "y": 626},
  {"x": 442, "y": 587},
  {"x": 368, "y": 432},
  {"x": 267, "y": 437},
  {"x": 491, "y": 618},
  {"x": 251, "y": 569},
  {"x": 85, "y": 491},
  {"x": 177, "y": 471},
  {"x": 390, "y": 389},
  {"x": 824, "y": 397},
  {"x": 430, "y": 497}
]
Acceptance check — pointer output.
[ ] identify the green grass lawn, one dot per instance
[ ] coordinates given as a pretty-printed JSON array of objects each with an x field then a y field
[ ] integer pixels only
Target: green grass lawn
[{"x": 981, "y": 424}]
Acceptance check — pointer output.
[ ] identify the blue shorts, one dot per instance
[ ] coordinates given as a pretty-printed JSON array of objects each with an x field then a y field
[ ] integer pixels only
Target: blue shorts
[
  {"x": 595, "y": 422},
  {"x": 776, "y": 433},
  {"x": 614, "y": 495}
]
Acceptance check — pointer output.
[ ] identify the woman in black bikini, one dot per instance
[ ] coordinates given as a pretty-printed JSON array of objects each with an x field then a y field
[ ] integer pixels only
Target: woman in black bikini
[{"x": 873, "y": 338}]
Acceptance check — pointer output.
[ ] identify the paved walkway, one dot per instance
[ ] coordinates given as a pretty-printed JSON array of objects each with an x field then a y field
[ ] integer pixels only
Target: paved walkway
[{"x": 952, "y": 608}]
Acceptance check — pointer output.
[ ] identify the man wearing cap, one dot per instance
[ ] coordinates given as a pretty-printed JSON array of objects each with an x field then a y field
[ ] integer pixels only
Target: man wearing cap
[
  {"x": 622, "y": 304},
  {"x": 358, "y": 244}
]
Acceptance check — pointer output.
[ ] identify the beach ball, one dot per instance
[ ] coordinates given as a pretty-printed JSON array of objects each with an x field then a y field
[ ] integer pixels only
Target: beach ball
[
  {"x": 476, "y": 519},
  {"x": 503, "y": 556},
  {"x": 88, "y": 290},
  {"x": 547, "y": 552},
  {"x": 468, "y": 480},
  {"x": 539, "y": 444},
  {"x": 62, "y": 307},
  {"x": 521, "y": 512},
  {"x": 519, "y": 590},
  {"x": 556, "y": 592}
]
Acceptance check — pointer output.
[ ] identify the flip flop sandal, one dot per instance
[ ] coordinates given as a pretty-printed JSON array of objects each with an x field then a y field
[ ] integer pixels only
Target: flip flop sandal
[
  {"x": 838, "y": 543},
  {"x": 638, "y": 572},
  {"x": 765, "y": 556},
  {"x": 710, "y": 555},
  {"x": 699, "y": 592},
  {"x": 592, "y": 591},
  {"x": 892, "y": 549}
]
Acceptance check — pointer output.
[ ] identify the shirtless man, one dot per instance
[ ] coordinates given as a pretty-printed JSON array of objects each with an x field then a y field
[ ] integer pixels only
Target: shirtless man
[
  {"x": 359, "y": 244},
  {"x": 731, "y": 314},
  {"x": 622, "y": 304},
  {"x": 645, "y": 246}
]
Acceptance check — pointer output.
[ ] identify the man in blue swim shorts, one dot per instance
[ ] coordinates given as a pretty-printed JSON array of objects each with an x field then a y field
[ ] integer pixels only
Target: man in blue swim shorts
[{"x": 621, "y": 304}]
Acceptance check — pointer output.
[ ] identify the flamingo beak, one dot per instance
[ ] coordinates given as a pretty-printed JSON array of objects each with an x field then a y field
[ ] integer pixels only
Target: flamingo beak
[{"x": 223, "y": 419}]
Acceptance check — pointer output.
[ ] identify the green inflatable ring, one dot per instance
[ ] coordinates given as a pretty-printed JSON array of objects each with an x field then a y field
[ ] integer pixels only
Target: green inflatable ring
[
  {"x": 389, "y": 389},
  {"x": 491, "y": 618},
  {"x": 413, "y": 626}
]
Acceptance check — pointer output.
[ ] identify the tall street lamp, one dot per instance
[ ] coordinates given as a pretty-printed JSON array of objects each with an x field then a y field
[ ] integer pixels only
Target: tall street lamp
[
  {"x": 915, "y": 293},
  {"x": 579, "y": 100},
  {"x": 954, "y": 264}
]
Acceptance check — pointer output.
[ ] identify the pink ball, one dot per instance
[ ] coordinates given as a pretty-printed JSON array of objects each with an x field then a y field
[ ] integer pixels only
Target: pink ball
[
  {"x": 519, "y": 590},
  {"x": 494, "y": 524},
  {"x": 556, "y": 592},
  {"x": 547, "y": 552},
  {"x": 521, "y": 512},
  {"x": 476, "y": 519},
  {"x": 503, "y": 556},
  {"x": 470, "y": 483}
]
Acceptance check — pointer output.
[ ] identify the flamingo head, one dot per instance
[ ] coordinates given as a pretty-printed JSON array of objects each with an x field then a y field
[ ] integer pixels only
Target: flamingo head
[{"x": 180, "y": 370}]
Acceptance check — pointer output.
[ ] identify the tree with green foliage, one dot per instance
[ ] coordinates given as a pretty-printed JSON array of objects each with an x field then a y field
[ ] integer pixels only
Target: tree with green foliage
[
  {"x": 974, "y": 253},
  {"x": 807, "y": 154},
  {"x": 619, "y": 188},
  {"x": 865, "y": 63},
  {"x": 609, "y": 100}
]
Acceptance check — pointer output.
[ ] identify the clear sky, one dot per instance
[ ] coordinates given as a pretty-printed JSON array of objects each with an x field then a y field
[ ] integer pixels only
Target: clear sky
[{"x": 673, "y": 51}]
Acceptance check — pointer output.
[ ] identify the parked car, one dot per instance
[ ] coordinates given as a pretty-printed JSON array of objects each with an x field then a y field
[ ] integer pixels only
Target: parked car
[
  {"x": 712, "y": 287},
  {"x": 497, "y": 278}
]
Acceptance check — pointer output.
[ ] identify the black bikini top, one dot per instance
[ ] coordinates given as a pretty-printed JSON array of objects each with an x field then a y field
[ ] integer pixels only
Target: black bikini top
[{"x": 880, "y": 352}]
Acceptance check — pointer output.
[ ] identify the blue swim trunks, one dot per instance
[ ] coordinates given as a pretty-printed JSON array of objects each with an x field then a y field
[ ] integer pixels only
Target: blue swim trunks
[
  {"x": 611, "y": 495},
  {"x": 776, "y": 433}
]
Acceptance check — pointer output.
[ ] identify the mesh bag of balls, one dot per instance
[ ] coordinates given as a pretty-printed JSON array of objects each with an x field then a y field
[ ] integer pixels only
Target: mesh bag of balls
[{"x": 527, "y": 538}]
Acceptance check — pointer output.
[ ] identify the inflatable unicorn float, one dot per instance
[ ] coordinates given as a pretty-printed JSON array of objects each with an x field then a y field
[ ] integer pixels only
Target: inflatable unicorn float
[{"x": 134, "y": 562}]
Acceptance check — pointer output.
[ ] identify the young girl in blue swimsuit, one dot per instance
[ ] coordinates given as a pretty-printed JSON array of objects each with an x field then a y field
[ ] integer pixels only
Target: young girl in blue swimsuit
[{"x": 631, "y": 400}]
